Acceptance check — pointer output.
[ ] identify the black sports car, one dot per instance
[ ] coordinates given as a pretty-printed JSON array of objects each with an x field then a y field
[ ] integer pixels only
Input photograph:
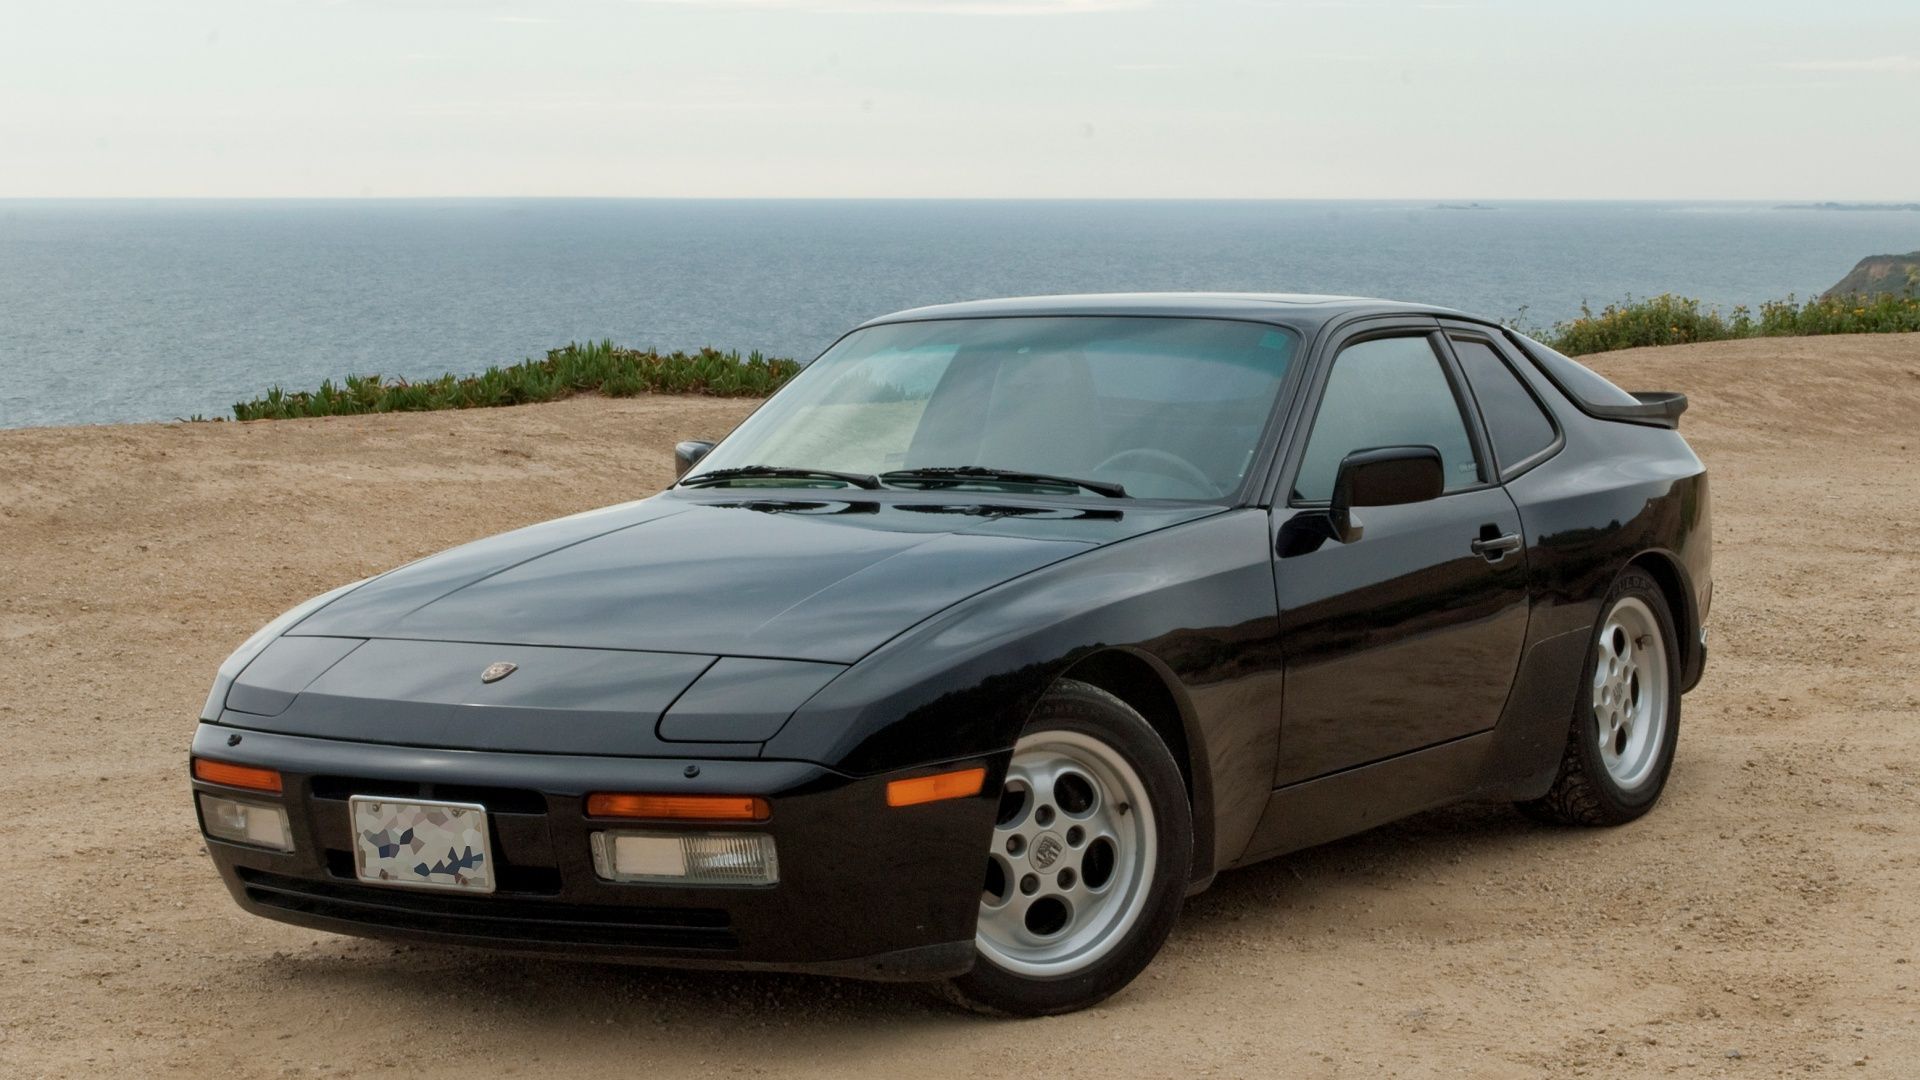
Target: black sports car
[{"x": 995, "y": 634}]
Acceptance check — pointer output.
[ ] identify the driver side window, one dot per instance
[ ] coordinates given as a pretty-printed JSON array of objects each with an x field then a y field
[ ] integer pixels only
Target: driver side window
[{"x": 1386, "y": 392}]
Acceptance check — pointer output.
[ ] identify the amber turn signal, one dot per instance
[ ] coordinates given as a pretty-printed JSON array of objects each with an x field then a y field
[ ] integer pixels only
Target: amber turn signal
[
  {"x": 958, "y": 784},
  {"x": 240, "y": 776},
  {"x": 678, "y": 807}
]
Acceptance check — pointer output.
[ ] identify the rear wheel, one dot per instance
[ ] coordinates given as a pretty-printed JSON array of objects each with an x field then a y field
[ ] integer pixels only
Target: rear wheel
[
  {"x": 1627, "y": 719},
  {"x": 1088, "y": 863}
]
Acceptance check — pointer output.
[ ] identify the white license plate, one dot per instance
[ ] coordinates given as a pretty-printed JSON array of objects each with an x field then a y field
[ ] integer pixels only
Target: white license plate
[{"x": 423, "y": 845}]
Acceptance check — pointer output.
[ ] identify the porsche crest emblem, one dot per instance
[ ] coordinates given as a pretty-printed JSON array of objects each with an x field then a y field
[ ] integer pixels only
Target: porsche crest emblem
[{"x": 498, "y": 670}]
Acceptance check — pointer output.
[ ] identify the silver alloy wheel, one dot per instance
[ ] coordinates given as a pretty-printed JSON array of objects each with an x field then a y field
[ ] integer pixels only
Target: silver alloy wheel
[
  {"x": 1630, "y": 692},
  {"x": 1072, "y": 857}
]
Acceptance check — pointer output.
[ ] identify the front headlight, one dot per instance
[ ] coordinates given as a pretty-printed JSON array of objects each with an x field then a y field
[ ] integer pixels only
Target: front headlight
[{"x": 233, "y": 665}]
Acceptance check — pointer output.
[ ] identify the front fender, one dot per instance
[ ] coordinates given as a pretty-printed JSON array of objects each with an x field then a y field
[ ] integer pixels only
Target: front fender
[{"x": 1197, "y": 598}]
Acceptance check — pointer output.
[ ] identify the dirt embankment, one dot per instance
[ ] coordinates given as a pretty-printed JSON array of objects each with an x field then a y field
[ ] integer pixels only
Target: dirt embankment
[{"x": 1765, "y": 920}]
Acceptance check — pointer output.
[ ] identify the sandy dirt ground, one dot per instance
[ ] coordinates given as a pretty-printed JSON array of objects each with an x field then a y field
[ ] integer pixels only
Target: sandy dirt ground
[{"x": 1763, "y": 921}]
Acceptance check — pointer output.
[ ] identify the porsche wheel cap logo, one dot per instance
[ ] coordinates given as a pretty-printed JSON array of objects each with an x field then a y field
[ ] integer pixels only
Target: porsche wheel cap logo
[
  {"x": 1046, "y": 851},
  {"x": 499, "y": 670}
]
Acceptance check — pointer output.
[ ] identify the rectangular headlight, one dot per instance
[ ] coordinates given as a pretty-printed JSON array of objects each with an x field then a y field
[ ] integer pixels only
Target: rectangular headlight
[
  {"x": 692, "y": 858},
  {"x": 258, "y": 824}
]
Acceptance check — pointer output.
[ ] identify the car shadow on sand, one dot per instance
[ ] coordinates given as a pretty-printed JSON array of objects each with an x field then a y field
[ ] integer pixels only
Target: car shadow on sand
[{"x": 1275, "y": 897}]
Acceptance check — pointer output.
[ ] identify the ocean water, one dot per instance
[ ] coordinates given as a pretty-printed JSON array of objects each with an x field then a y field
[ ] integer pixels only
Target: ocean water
[{"x": 150, "y": 310}]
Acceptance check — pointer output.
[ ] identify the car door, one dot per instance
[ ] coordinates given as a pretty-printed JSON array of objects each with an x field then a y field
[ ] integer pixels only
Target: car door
[{"x": 1410, "y": 634}]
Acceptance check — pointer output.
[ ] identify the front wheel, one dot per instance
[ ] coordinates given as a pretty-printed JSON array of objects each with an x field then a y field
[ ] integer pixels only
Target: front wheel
[
  {"x": 1627, "y": 717},
  {"x": 1088, "y": 863}
]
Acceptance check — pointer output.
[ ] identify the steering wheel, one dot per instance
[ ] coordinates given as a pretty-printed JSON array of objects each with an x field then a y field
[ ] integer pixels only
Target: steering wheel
[{"x": 1146, "y": 458}]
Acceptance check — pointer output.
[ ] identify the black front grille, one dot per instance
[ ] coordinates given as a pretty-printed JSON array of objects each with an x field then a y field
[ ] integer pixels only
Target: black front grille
[
  {"x": 494, "y": 917},
  {"x": 508, "y": 877}
]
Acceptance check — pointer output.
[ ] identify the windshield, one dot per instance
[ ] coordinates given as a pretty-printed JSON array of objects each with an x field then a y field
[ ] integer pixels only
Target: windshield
[{"x": 1165, "y": 408}]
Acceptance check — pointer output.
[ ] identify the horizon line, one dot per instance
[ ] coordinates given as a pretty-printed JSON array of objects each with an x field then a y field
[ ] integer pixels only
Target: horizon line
[{"x": 1451, "y": 200}]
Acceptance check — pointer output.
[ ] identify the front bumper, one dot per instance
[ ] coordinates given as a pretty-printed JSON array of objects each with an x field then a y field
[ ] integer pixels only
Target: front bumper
[{"x": 865, "y": 889}]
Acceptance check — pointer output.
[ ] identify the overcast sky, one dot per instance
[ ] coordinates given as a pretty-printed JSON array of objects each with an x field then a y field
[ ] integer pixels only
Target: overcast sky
[{"x": 1055, "y": 98}]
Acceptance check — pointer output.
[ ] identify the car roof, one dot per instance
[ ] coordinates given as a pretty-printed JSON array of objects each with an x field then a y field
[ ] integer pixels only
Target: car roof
[{"x": 1302, "y": 311}]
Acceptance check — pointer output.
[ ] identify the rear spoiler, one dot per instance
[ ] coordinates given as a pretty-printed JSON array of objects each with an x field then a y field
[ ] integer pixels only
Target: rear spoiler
[{"x": 1659, "y": 408}]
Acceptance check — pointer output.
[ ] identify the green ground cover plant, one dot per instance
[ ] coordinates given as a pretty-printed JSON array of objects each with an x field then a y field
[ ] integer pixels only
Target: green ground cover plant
[{"x": 593, "y": 368}]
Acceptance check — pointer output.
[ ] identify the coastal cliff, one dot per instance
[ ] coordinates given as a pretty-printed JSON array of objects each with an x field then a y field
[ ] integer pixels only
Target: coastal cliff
[{"x": 1897, "y": 275}]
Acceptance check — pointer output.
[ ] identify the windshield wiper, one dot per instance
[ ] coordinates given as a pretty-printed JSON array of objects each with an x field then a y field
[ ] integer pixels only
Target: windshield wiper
[
  {"x": 754, "y": 472},
  {"x": 948, "y": 475}
]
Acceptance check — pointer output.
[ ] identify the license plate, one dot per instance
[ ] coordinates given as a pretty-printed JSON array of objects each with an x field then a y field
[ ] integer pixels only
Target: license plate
[{"x": 422, "y": 845}]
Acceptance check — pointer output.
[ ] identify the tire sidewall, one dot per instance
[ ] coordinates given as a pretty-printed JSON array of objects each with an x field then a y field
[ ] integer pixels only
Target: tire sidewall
[
  {"x": 1087, "y": 710},
  {"x": 1622, "y": 803}
]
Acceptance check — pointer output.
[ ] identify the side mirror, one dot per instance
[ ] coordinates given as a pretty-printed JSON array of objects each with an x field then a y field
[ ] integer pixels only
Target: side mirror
[
  {"x": 688, "y": 454},
  {"x": 1382, "y": 476}
]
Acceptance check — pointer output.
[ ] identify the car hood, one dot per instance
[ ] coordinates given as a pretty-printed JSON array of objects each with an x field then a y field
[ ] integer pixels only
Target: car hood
[{"x": 726, "y": 575}]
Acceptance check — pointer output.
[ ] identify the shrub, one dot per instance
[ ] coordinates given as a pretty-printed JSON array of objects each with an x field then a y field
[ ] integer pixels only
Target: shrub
[
  {"x": 1884, "y": 313},
  {"x": 1663, "y": 320},
  {"x": 577, "y": 369},
  {"x": 1679, "y": 320}
]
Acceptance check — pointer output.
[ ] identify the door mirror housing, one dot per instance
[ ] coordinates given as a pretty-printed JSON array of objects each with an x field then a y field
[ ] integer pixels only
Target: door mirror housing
[
  {"x": 687, "y": 454},
  {"x": 1382, "y": 476}
]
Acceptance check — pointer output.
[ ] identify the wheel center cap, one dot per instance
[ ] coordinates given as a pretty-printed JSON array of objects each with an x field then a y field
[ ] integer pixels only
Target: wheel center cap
[{"x": 1046, "y": 850}]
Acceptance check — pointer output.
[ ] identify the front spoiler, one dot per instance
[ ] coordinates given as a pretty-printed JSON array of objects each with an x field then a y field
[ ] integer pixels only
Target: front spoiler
[
  {"x": 866, "y": 890},
  {"x": 924, "y": 963},
  {"x": 1697, "y": 666}
]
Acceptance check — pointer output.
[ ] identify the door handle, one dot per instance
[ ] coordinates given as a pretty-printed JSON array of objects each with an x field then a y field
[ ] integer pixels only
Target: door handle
[{"x": 1495, "y": 548}]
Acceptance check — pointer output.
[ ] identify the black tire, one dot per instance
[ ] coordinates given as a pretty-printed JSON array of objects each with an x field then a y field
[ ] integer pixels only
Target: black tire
[
  {"x": 1584, "y": 792},
  {"x": 1088, "y": 710}
]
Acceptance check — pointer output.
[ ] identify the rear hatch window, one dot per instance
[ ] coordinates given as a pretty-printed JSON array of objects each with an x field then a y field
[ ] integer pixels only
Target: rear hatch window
[
  {"x": 1597, "y": 397},
  {"x": 1584, "y": 385}
]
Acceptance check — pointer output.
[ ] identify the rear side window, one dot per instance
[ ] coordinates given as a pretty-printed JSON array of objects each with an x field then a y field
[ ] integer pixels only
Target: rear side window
[
  {"x": 1386, "y": 392},
  {"x": 1516, "y": 423}
]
